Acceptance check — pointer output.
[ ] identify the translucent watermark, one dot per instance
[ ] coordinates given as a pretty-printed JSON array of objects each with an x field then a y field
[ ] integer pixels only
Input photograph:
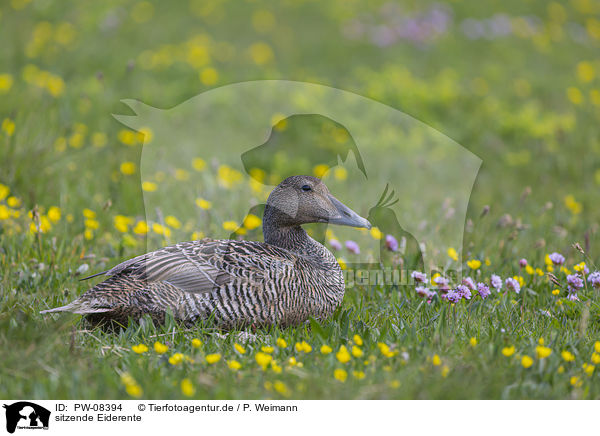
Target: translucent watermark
[{"x": 217, "y": 156}]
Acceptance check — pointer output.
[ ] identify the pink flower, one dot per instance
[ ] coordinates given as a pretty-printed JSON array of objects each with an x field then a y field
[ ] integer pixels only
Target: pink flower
[
  {"x": 523, "y": 263},
  {"x": 513, "y": 285},
  {"x": 391, "y": 243},
  {"x": 352, "y": 247},
  {"x": 335, "y": 244},
  {"x": 419, "y": 276}
]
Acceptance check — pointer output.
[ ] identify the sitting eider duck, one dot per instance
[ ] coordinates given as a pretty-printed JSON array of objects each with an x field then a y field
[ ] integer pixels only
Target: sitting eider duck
[{"x": 282, "y": 281}]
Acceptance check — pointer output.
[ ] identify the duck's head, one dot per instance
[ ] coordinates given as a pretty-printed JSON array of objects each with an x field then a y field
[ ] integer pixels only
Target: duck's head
[{"x": 305, "y": 199}]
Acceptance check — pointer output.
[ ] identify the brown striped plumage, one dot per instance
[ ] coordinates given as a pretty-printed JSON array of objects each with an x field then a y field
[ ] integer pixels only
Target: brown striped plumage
[{"x": 282, "y": 281}]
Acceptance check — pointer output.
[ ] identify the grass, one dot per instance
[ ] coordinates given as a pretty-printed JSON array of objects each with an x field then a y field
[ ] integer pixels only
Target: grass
[{"x": 527, "y": 103}]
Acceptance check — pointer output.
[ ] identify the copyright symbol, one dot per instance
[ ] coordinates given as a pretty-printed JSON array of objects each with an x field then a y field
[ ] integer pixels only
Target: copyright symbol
[{"x": 141, "y": 407}]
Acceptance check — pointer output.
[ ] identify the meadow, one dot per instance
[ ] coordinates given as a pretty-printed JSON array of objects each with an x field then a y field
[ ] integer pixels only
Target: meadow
[{"x": 517, "y": 83}]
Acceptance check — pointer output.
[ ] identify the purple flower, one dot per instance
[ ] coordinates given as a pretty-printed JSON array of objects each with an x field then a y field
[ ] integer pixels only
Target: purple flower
[
  {"x": 496, "y": 282},
  {"x": 557, "y": 258},
  {"x": 513, "y": 285},
  {"x": 352, "y": 247},
  {"x": 391, "y": 243},
  {"x": 573, "y": 296},
  {"x": 422, "y": 291},
  {"x": 335, "y": 244},
  {"x": 441, "y": 283},
  {"x": 483, "y": 290},
  {"x": 453, "y": 297},
  {"x": 575, "y": 281},
  {"x": 523, "y": 263},
  {"x": 419, "y": 276},
  {"x": 468, "y": 281},
  {"x": 464, "y": 292},
  {"x": 594, "y": 279}
]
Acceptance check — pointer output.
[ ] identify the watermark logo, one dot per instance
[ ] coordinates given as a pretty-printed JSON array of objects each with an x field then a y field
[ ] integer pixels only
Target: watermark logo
[
  {"x": 25, "y": 415},
  {"x": 227, "y": 149}
]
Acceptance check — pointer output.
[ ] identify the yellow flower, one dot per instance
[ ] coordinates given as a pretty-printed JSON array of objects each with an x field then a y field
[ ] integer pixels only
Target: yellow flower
[
  {"x": 342, "y": 263},
  {"x": 597, "y": 346},
  {"x": 579, "y": 267},
  {"x": 343, "y": 355},
  {"x": 574, "y": 95},
  {"x": 585, "y": 71},
  {"x": 395, "y": 384},
  {"x": 8, "y": 126},
  {"x": 541, "y": 341},
  {"x": 320, "y": 170},
  {"x": 91, "y": 224},
  {"x": 121, "y": 223},
  {"x": 575, "y": 381},
  {"x": 212, "y": 358},
  {"x": 4, "y": 191},
  {"x": 526, "y": 361},
  {"x": 356, "y": 351},
  {"x": 261, "y": 53},
  {"x": 234, "y": 364},
  {"x": 141, "y": 228},
  {"x": 281, "y": 343},
  {"x": 539, "y": 272},
  {"x": 149, "y": 186},
  {"x": 160, "y": 348},
  {"x": 326, "y": 349},
  {"x": 199, "y": 164},
  {"x": 445, "y": 371},
  {"x": 292, "y": 361},
  {"x": 573, "y": 205},
  {"x": 567, "y": 356},
  {"x": 560, "y": 369},
  {"x": 529, "y": 270},
  {"x": 340, "y": 173},
  {"x": 99, "y": 139},
  {"x": 127, "y": 137},
  {"x": 209, "y": 76},
  {"x": 6, "y": 82},
  {"x": 556, "y": 292},
  {"x": 452, "y": 254},
  {"x": 263, "y": 359},
  {"x": 89, "y": 214},
  {"x": 196, "y": 343},
  {"x": 140, "y": 349},
  {"x": 303, "y": 347},
  {"x": 54, "y": 214},
  {"x": 508, "y": 351},
  {"x": 181, "y": 174},
  {"x": 268, "y": 350},
  {"x": 252, "y": 221},
  {"x": 588, "y": 369},
  {"x": 276, "y": 368},
  {"x": 172, "y": 222},
  {"x": 187, "y": 388},
  {"x": 340, "y": 374},
  {"x": 436, "y": 360},
  {"x": 228, "y": 177},
  {"x": 239, "y": 348},
  {"x": 176, "y": 359},
  {"x": 473, "y": 342},
  {"x": 357, "y": 340},
  {"x": 376, "y": 233},
  {"x": 474, "y": 264},
  {"x": 128, "y": 168},
  {"x": 230, "y": 226},
  {"x": 203, "y": 204},
  {"x": 595, "y": 358},
  {"x": 385, "y": 350},
  {"x": 542, "y": 352},
  {"x": 359, "y": 375},
  {"x": 281, "y": 388}
]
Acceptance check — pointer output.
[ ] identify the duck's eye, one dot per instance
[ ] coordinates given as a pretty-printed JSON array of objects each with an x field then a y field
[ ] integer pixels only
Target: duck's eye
[{"x": 306, "y": 188}]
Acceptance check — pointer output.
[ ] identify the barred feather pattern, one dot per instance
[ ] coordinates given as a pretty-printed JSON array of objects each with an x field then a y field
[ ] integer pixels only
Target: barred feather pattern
[{"x": 232, "y": 283}]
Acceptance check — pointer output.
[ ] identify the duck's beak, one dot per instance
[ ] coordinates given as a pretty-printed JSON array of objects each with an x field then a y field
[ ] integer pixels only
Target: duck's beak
[{"x": 346, "y": 216}]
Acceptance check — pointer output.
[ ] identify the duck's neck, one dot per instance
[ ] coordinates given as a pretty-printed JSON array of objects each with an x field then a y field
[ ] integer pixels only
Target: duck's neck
[{"x": 291, "y": 237}]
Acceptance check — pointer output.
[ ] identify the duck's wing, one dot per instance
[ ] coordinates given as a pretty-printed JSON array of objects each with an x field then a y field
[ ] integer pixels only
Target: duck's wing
[{"x": 202, "y": 266}]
